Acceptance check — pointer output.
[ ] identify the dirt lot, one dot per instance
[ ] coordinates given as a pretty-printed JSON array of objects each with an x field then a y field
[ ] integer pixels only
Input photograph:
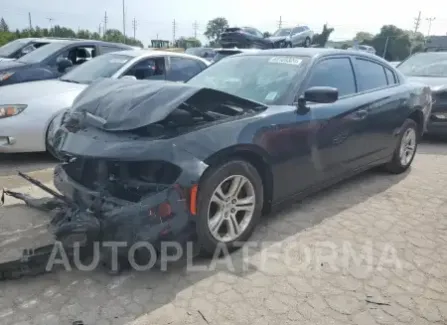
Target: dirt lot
[{"x": 369, "y": 251}]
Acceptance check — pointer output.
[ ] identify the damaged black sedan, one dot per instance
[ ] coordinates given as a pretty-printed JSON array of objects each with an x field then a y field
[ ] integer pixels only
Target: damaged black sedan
[{"x": 158, "y": 161}]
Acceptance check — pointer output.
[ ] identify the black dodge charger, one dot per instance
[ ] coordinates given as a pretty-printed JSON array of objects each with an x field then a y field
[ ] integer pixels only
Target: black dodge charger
[{"x": 156, "y": 161}]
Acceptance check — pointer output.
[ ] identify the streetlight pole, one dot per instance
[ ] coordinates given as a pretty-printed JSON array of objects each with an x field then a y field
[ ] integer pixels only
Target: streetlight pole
[
  {"x": 124, "y": 21},
  {"x": 430, "y": 20}
]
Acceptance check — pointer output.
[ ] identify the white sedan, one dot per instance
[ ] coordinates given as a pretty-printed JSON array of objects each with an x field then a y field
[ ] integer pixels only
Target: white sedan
[{"x": 27, "y": 109}]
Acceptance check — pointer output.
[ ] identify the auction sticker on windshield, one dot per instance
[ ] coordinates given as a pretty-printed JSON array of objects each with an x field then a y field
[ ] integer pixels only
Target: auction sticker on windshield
[{"x": 286, "y": 60}]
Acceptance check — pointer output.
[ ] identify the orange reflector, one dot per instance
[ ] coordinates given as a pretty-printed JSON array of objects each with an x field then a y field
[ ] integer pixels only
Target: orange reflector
[
  {"x": 10, "y": 111},
  {"x": 164, "y": 210},
  {"x": 193, "y": 199}
]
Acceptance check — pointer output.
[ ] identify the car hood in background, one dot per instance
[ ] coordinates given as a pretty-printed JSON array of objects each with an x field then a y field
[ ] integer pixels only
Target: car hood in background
[
  {"x": 124, "y": 105},
  {"x": 9, "y": 64},
  {"x": 6, "y": 59},
  {"x": 435, "y": 83},
  {"x": 23, "y": 93},
  {"x": 275, "y": 39}
]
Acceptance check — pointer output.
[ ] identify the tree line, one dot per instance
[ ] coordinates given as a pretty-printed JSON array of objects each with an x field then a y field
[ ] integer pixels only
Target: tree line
[{"x": 110, "y": 35}]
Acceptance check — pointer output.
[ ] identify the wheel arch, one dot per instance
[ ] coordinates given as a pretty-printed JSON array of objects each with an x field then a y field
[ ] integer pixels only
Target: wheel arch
[
  {"x": 418, "y": 117},
  {"x": 254, "y": 155}
]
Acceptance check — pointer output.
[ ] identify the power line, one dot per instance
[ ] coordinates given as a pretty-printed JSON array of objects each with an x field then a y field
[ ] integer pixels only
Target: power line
[
  {"x": 195, "y": 26},
  {"x": 134, "y": 25},
  {"x": 430, "y": 20}
]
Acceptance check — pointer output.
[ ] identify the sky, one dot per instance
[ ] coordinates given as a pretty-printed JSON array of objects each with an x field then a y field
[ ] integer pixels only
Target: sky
[{"x": 155, "y": 18}]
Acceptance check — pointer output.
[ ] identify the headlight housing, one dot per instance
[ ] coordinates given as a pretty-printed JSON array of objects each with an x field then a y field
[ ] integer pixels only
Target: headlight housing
[
  {"x": 11, "y": 110},
  {"x": 5, "y": 75}
]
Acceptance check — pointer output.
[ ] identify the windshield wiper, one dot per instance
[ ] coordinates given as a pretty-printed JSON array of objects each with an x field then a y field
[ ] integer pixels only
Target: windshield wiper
[{"x": 70, "y": 80}]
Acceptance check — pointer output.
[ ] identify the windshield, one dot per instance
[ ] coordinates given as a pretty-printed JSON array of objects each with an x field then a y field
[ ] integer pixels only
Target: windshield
[
  {"x": 282, "y": 32},
  {"x": 103, "y": 66},
  {"x": 42, "y": 52},
  {"x": 265, "y": 79},
  {"x": 7, "y": 50},
  {"x": 433, "y": 64}
]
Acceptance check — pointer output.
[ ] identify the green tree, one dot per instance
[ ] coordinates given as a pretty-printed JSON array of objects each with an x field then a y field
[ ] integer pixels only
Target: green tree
[
  {"x": 185, "y": 42},
  {"x": 321, "y": 39},
  {"x": 3, "y": 25},
  {"x": 397, "y": 47},
  {"x": 267, "y": 34},
  {"x": 215, "y": 27},
  {"x": 363, "y": 36}
]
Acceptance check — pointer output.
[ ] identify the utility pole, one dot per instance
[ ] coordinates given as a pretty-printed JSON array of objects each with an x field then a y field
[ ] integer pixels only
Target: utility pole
[
  {"x": 280, "y": 22},
  {"x": 417, "y": 22},
  {"x": 385, "y": 47},
  {"x": 29, "y": 21},
  {"x": 134, "y": 25},
  {"x": 195, "y": 26},
  {"x": 50, "y": 20},
  {"x": 99, "y": 29},
  {"x": 124, "y": 22},
  {"x": 430, "y": 20},
  {"x": 106, "y": 20},
  {"x": 174, "y": 29}
]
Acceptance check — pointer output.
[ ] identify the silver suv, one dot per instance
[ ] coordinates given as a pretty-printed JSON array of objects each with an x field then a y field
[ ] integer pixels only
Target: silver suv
[{"x": 294, "y": 37}]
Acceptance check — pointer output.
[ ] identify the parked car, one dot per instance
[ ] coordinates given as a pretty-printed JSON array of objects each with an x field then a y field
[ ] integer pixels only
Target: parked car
[
  {"x": 223, "y": 53},
  {"x": 364, "y": 48},
  {"x": 292, "y": 37},
  {"x": 244, "y": 37},
  {"x": 53, "y": 60},
  {"x": 20, "y": 47},
  {"x": 202, "y": 52},
  {"x": 430, "y": 68},
  {"x": 244, "y": 135},
  {"x": 27, "y": 109}
]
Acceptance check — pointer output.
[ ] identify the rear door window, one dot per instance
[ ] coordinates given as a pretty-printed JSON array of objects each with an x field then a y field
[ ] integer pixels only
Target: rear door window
[
  {"x": 370, "y": 75},
  {"x": 182, "y": 69}
]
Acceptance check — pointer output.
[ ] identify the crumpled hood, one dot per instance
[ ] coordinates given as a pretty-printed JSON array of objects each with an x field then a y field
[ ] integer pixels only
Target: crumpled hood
[
  {"x": 26, "y": 92},
  {"x": 435, "y": 83},
  {"x": 123, "y": 105}
]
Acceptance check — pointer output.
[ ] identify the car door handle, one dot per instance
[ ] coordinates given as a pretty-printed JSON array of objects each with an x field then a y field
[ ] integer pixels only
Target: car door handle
[{"x": 361, "y": 114}]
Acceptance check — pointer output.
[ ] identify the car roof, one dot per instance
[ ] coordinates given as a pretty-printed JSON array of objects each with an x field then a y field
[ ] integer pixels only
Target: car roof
[
  {"x": 75, "y": 40},
  {"x": 235, "y": 49},
  {"x": 312, "y": 52},
  {"x": 151, "y": 52}
]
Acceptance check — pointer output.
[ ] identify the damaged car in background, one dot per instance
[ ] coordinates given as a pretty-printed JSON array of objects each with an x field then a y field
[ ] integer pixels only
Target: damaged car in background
[{"x": 201, "y": 161}]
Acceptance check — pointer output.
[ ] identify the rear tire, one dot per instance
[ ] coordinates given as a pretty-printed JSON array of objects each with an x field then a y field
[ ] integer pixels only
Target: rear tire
[
  {"x": 230, "y": 203},
  {"x": 406, "y": 148}
]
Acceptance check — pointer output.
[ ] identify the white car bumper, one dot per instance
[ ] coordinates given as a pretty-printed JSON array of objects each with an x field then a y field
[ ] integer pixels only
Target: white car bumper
[{"x": 22, "y": 133}]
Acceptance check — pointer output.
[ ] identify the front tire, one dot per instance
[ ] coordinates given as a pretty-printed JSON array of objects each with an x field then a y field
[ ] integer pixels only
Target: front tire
[
  {"x": 229, "y": 206},
  {"x": 406, "y": 148},
  {"x": 307, "y": 42}
]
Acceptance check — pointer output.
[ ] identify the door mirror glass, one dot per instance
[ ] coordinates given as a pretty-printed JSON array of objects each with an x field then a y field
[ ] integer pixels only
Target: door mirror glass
[
  {"x": 324, "y": 95},
  {"x": 63, "y": 64}
]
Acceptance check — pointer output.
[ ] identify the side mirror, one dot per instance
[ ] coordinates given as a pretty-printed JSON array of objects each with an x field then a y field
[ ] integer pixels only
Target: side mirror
[
  {"x": 322, "y": 95},
  {"x": 128, "y": 78},
  {"x": 64, "y": 64}
]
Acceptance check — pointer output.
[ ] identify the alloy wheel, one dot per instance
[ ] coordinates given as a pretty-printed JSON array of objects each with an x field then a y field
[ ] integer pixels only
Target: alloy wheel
[
  {"x": 231, "y": 208},
  {"x": 407, "y": 146}
]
